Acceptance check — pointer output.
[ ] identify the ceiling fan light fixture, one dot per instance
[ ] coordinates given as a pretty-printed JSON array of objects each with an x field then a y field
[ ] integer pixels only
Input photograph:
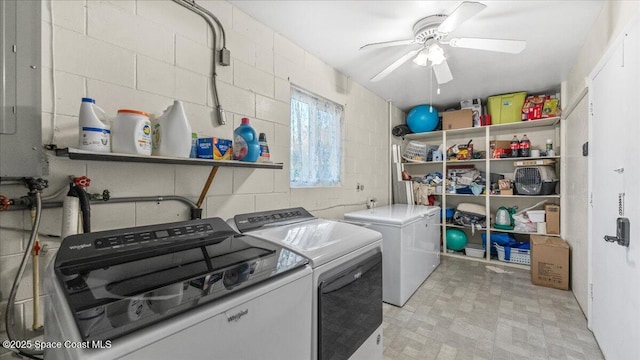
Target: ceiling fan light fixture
[
  {"x": 435, "y": 54},
  {"x": 422, "y": 58}
]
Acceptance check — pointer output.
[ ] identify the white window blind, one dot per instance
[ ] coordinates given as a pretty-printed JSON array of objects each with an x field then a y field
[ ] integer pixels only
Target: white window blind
[{"x": 316, "y": 126}]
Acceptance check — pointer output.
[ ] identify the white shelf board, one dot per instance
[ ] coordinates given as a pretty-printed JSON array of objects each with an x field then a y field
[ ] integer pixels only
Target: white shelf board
[{"x": 77, "y": 154}]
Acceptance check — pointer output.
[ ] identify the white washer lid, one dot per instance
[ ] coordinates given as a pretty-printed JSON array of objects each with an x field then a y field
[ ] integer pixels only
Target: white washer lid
[
  {"x": 320, "y": 240},
  {"x": 396, "y": 214}
]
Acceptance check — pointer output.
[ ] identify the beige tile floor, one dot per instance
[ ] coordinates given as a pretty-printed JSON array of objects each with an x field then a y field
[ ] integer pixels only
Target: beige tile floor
[{"x": 465, "y": 311}]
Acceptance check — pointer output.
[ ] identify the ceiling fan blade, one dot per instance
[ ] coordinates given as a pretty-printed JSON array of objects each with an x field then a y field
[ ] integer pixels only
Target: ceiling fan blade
[
  {"x": 443, "y": 73},
  {"x": 462, "y": 13},
  {"x": 387, "y": 43},
  {"x": 499, "y": 45},
  {"x": 396, "y": 64}
]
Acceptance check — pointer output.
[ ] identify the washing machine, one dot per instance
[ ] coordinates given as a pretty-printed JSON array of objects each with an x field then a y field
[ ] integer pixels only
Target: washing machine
[
  {"x": 186, "y": 290},
  {"x": 411, "y": 241},
  {"x": 347, "y": 278}
]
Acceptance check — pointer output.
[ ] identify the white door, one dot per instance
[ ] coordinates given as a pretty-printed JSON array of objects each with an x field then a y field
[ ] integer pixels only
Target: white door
[{"x": 614, "y": 169}]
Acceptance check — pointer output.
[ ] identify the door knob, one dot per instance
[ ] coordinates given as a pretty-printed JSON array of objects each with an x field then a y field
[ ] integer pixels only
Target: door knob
[{"x": 622, "y": 232}]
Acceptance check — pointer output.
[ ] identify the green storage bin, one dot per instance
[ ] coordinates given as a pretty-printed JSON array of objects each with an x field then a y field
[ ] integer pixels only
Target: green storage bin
[{"x": 506, "y": 108}]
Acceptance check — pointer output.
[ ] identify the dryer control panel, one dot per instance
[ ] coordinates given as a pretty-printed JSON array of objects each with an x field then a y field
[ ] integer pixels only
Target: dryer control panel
[{"x": 256, "y": 220}]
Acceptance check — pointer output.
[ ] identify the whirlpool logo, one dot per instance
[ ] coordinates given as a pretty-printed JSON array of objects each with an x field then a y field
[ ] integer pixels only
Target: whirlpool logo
[
  {"x": 237, "y": 316},
  {"x": 79, "y": 246},
  {"x": 357, "y": 275}
]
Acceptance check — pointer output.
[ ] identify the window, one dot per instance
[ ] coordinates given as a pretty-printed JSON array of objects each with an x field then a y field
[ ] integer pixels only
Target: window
[{"x": 315, "y": 140}]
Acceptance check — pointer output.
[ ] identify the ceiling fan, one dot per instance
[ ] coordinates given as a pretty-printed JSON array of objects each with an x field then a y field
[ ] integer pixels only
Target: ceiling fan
[{"x": 432, "y": 31}]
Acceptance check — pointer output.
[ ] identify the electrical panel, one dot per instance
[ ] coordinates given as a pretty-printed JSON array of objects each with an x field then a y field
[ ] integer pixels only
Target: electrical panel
[{"x": 21, "y": 151}]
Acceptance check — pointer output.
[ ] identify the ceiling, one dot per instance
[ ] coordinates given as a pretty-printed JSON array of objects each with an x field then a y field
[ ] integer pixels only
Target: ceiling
[{"x": 335, "y": 30}]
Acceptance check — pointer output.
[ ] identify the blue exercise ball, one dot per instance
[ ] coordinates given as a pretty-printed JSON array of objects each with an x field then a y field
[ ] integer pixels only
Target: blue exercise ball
[
  {"x": 422, "y": 118},
  {"x": 456, "y": 239}
]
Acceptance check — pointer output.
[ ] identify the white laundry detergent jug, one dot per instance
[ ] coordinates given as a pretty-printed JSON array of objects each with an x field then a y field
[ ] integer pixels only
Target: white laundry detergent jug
[
  {"x": 131, "y": 133},
  {"x": 172, "y": 132},
  {"x": 94, "y": 133}
]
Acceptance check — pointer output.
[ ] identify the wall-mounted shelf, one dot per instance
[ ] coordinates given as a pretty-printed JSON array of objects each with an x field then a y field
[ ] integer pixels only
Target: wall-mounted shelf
[{"x": 77, "y": 154}]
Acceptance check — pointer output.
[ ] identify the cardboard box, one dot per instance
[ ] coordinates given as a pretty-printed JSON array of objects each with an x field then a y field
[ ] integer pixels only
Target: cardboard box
[
  {"x": 550, "y": 262},
  {"x": 552, "y": 213},
  {"x": 476, "y": 106},
  {"x": 534, "y": 162},
  {"x": 215, "y": 148},
  {"x": 506, "y": 192},
  {"x": 465, "y": 152},
  {"x": 457, "y": 119},
  {"x": 499, "y": 147}
]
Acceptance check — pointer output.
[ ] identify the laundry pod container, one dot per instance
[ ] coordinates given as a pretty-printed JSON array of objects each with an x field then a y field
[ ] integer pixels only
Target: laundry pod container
[
  {"x": 410, "y": 243},
  {"x": 131, "y": 133}
]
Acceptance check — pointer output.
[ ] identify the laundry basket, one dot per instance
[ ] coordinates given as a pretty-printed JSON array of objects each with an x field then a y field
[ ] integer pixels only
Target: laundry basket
[
  {"x": 515, "y": 255},
  {"x": 415, "y": 152}
]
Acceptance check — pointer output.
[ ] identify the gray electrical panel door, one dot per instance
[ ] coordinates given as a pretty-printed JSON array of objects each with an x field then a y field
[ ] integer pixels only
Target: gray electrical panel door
[{"x": 21, "y": 151}]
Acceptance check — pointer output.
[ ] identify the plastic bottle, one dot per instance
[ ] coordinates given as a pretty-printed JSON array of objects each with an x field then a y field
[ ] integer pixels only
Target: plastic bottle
[
  {"x": 525, "y": 146},
  {"x": 94, "y": 133},
  {"x": 194, "y": 146},
  {"x": 549, "y": 146},
  {"x": 172, "y": 132},
  {"x": 245, "y": 143},
  {"x": 265, "y": 155},
  {"x": 515, "y": 146},
  {"x": 131, "y": 133}
]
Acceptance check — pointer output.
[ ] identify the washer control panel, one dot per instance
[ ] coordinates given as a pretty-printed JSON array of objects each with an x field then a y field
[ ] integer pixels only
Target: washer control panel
[{"x": 256, "y": 220}]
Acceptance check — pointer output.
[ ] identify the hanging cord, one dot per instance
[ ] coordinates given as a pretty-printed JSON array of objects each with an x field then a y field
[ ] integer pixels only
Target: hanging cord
[
  {"x": 10, "y": 311},
  {"x": 205, "y": 14}
]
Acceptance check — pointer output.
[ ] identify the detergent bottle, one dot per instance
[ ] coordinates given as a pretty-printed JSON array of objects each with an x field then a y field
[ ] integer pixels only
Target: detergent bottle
[
  {"x": 131, "y": 132},
  {"x": 245, "y": 143},
  {"x": 172, "y": 132},
  {"x": 94, "y": 133}
]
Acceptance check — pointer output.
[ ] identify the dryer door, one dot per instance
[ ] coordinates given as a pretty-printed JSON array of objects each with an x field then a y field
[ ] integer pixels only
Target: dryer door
[{"x": 349, "y": 306}]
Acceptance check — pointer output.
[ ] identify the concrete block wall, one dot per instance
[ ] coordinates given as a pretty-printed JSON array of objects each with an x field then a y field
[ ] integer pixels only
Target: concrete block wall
[{"x": 141, "y": 54}]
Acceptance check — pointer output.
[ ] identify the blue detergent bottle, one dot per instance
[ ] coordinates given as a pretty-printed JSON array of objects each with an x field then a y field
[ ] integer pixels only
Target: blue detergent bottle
[{"x": 245, "y": 143}]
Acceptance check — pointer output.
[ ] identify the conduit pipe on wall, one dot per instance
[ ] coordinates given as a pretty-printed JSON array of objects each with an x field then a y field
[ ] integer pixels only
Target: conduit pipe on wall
[
  {"x": 57, "y": 204},
  {"x": 224, "y": 53}
]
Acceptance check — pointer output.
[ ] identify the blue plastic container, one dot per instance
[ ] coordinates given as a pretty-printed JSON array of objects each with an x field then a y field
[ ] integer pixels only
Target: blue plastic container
[{"x": 245, "y": 143}]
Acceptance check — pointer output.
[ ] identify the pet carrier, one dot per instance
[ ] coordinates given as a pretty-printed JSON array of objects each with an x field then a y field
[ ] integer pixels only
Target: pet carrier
[{"x": 535, "y": 180}]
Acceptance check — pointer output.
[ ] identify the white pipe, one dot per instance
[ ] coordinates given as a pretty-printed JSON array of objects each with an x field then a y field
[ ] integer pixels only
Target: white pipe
[{"x": 70, "y": 210}]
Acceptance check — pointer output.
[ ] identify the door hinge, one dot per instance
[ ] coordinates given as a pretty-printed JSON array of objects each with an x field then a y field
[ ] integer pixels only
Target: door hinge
[
  {"x": 14, "y": 48},
  {"x": 591, "y": 107},
  {"x": 591, "y": 199},
  {"x": 591, "y": 291}
]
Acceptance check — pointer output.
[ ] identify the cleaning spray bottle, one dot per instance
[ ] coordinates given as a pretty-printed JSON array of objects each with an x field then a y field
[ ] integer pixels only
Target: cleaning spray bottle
[
  {"x": 94, "y": 133},
  {"x": 245, "y": 143}
]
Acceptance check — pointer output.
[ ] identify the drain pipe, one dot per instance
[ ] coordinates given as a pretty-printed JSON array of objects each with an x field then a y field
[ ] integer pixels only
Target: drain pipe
[{"x": 225, "y": 55}]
